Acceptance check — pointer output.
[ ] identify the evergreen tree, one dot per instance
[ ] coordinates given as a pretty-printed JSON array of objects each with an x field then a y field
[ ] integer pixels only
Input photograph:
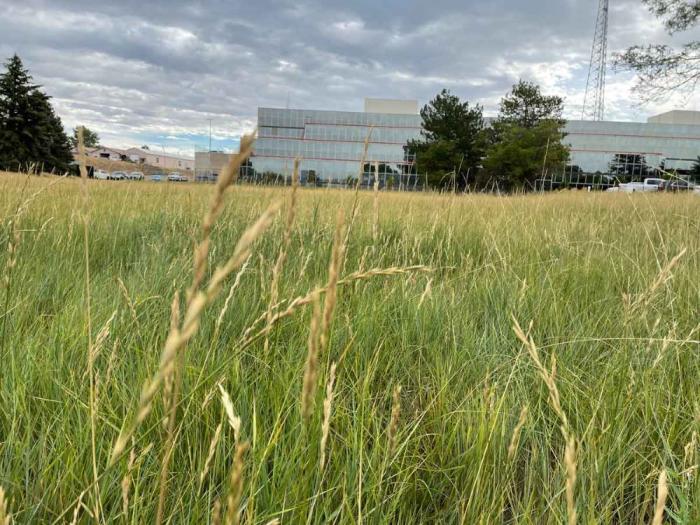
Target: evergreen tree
[
  {"x": 525, "y": 141},
  {"x": 695, "y": 170},
  {"x": 451, "y": 146},
  {"x": 15, "y": 137},
  {"x": 526, "y": 106},
  {"x": 30, "y": 131},
  {"x": 52, "y": 146}
]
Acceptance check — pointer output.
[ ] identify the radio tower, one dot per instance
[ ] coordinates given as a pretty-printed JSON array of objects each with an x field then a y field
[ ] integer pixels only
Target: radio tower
[{"x": 594, "y": 101}]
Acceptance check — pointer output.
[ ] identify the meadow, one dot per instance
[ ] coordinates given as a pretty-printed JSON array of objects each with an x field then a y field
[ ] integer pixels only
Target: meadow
[{"x": 322, "y": 356}]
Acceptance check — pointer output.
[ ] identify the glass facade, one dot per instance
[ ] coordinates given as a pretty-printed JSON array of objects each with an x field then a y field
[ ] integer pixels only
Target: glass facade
[
  {"x": 631, "y": 150},
  {"x": 330, "y": 145}
]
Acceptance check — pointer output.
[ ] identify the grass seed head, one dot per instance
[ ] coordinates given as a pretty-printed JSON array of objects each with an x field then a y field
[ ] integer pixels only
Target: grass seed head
[
  {"x": 235, "y": 491},
  {"x": 661, "y": 495},
  {"x": 326, "y": 425}
]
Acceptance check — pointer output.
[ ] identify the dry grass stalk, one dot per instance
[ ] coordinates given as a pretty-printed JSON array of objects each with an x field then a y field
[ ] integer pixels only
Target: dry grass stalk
[
  {"x": 326, "y": 425},
  {"x": 311, "y": 366},
  {"x": 11, "y": 254},
  {"x": 363, "y": 259},
  {"x": 179, "y": 337},
  {"x": 332, "y": 286},
  {"x": 690, "y": 454},
  {"x": 360, "y": 175},
  {"x": 111, "y": 362},
  {"x": 282, "y": 256},
  {"x": 228, "y": 176},
  {"x": 210, "y": 455},
  {"x": 547, "y": 375},
  {"x": 661, "y": 495},
  {"x": 233, "y": 420},
  {"x": 235, "y": 491},
  {"x": 94, "y": 351},
  {"x": 85, "y": 215},
  {"x": 129, "y": 302},
  {"x": 515, "y": 439},
  {"x": 102, "y": 335},
  {"x": 216, "y": 513},
  {"x": 375, "y": 215},
  {"x": 393, "y": 428},
  {"x": 570, "y": 461},
  {"x": 82, "y": 157},
  {"x": 570, "y": 464},
  {"x": 210, "y": 394},
  {"x": 251, "y": 335},
  {"x": 170, "y": 400},
  {"x": 665, "y": 275},
  {"x": 5, "y": 515},
  {"x": 427, "y": 292},
  {"x": 229, "y": 297},
  {"x": 126, "y": 482},
  {"x": 76, "y": 510},
  {"x": 665, "y": 343}
]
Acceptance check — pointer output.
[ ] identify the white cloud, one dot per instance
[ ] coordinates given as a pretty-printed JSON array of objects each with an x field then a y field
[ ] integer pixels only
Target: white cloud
[{"x": 134, "y": 70}]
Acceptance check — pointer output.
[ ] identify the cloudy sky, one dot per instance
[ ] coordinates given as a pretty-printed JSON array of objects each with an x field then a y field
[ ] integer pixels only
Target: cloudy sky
[{"x": 155, "y": 71}]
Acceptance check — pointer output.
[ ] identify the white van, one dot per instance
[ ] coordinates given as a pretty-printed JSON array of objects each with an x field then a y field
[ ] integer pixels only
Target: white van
[{"x": 101, "y": 174}]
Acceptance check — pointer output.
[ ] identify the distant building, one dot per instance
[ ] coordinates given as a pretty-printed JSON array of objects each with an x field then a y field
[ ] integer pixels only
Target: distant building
[
  {"x": 140, "y": 156},
  {"x": 103, "y": 152},
  {"x": 159, "y": 160},
  {"x": 208, "y": 165},
  {"x": 331, "y": 145},
  {"x": 670, "y": 141},
  {"x": 391, "y": 107},
  {"x": 687, "y": 118}
]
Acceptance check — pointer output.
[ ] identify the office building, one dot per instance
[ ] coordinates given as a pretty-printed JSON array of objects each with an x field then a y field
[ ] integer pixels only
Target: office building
[{"x": 331, "y": 145}]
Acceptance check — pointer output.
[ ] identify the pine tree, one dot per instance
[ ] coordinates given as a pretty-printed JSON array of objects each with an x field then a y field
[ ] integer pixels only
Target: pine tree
[
  {"x": 31, "y": 134},
  {"x": 15, "y": 137}
]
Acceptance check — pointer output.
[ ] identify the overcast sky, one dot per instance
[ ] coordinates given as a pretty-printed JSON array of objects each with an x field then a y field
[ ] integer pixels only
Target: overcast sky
[{"x": 155, "y": 71}]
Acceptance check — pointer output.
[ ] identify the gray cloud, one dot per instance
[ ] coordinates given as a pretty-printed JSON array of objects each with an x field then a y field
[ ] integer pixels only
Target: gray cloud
[{"x": 142, "y": 70}]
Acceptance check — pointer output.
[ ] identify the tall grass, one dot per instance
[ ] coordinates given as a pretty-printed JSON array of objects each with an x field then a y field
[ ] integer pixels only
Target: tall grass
[{"x": 358, "y": 361}]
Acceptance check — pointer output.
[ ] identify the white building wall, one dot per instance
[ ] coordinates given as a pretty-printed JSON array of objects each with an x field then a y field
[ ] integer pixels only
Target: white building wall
[
  {"x": 391, "y": 106},
  {"x": 679, "y": 117}
]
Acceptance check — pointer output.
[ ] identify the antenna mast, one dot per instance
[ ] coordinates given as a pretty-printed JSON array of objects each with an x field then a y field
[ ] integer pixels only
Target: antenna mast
[{"x": 594, "y": 101}]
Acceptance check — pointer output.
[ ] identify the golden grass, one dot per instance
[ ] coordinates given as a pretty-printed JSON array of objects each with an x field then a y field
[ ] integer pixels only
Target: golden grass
[{"x": 413, "y": 297}]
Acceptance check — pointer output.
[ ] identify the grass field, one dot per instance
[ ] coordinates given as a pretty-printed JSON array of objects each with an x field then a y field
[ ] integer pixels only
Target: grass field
[{"x": 439, "y": 412}]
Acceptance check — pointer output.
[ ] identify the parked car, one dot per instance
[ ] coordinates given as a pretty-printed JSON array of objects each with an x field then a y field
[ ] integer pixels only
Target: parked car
[
  {"x": 100, "y": 174},
  {"x": 633, "y": 187},
  {"x": 118, "y": 175},
  {"x": 176, "y": 177},
  {"x": 156, "y": 177},
  {"x": 677, "y": 185},
  {"x": 135, "y": 175}
]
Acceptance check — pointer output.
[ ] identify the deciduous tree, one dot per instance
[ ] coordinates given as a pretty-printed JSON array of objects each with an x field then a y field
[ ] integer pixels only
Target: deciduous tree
[
  {"x": 663, "y": 69},
  {"x": 90, "y": 138}
]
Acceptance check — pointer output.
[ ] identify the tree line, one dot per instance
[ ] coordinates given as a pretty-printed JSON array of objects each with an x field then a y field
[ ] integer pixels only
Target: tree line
[{"x": 458, "y": 149}]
